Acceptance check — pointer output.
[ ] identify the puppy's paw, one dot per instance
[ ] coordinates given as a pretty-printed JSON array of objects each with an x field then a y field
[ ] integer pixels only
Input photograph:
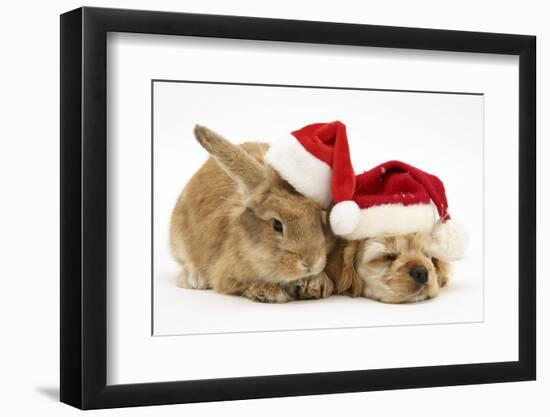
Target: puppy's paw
[
  {"x": 319, "y": 286},
  {"x": 442, "y": 280},
  {"x": 267, "y": 293}
]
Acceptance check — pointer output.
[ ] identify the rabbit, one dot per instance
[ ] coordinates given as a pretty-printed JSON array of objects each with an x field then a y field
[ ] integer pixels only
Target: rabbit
[{"x": 238, "y": 228}]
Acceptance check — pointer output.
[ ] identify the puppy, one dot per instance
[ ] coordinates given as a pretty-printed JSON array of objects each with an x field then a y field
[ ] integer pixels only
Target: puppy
[{"x": 397, "y": 269}]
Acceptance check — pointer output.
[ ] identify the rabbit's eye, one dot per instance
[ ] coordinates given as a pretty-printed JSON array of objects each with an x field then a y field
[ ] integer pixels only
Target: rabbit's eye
[
  {"x": 277, "y": 225},
  {"x": 390, "y": 257}
]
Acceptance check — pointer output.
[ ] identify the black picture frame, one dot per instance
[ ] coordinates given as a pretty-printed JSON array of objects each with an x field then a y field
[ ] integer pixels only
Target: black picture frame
[{"x": 84, "y": 209}]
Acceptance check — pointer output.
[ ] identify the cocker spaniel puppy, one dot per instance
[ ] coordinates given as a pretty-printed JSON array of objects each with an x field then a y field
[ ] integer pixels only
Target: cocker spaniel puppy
[{"x": 397, "y": 269}]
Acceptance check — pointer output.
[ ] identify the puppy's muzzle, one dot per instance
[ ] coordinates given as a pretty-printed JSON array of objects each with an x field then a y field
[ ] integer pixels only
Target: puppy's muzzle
[{"x": 419, "y": 274}]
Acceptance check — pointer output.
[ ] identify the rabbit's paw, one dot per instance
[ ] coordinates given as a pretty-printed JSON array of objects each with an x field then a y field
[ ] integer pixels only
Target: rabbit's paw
[
  {"x": 319, "y": 286},
  {"x": 191, "y": 279},
  {"x": 265, "y": 292}
]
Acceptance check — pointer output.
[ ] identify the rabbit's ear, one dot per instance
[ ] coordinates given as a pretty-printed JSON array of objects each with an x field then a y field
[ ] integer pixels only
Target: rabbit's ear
[{"x": 234, "y": 160}]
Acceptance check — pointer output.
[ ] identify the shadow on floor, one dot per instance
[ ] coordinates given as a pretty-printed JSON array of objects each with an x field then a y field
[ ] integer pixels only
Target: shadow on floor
[{"x": 50, "y": 392}]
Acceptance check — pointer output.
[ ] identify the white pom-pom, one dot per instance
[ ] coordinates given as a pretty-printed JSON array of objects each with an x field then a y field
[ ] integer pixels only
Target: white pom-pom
[
  {"x": 450, "y": 240},
  {"x": 344, "y": 217}
]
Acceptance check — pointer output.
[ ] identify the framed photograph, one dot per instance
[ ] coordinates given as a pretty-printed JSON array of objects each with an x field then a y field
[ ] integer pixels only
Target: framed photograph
[{"x": 258, "y": 208}]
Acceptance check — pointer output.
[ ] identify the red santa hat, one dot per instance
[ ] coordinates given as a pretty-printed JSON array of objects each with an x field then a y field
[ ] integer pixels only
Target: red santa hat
[
  {"x": 315, "y": 160},
  {"x": 395, "y": 199}
]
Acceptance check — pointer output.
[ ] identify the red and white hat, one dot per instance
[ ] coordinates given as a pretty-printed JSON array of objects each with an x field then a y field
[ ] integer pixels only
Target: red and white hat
[
  {"x": 315, "y": 160},
  {"x": 392, "y": 199},
  {"x": 395, "y": 198}
]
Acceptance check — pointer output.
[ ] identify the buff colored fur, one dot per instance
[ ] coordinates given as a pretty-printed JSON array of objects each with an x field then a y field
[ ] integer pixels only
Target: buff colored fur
[
  {"x": 222, "y": 228},
  {"x": 379, "y": 268}
]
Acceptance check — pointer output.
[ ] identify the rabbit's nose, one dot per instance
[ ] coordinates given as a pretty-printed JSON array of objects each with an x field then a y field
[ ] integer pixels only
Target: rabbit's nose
[
  {"x": 319, "y": 263},
  {"x": 314, "y": 265}
]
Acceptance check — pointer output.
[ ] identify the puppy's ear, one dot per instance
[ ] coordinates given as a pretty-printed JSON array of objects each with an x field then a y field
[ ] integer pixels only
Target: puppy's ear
[
  {"x": 443, "y": 270},
  {"x": 342, "y": 269}
]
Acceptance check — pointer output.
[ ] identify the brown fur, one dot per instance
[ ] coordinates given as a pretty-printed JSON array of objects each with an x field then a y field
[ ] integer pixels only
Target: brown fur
[
  {"x": 341, "y": 268},
  {"x": 222, "y": 227},
  {"x": 380, "y": 268}
]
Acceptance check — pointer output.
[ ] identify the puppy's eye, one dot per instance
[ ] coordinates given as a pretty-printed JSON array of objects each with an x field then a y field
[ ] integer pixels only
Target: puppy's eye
[
  {"x": 277, "y": 225},
  {"x": 390, "y": 257}
]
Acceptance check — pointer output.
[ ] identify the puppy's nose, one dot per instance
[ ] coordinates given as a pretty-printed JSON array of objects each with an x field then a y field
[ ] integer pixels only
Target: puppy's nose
[{"x": 419, "y": 273}]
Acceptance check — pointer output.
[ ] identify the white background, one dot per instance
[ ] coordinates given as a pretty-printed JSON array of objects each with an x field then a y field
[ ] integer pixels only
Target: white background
[
  {"x": 440, "y": 133},
  {"x": 29, "y": 168},
  {"x": 132, "y": 60}
]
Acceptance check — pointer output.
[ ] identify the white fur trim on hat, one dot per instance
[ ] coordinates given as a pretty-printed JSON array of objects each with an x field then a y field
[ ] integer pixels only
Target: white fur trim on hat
[
  {"x": 344, "y": 217},
  {"x": 309, "y": 175},
  {"x": 393, "y": 219},
  {"x": 450, "y": 240}
]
